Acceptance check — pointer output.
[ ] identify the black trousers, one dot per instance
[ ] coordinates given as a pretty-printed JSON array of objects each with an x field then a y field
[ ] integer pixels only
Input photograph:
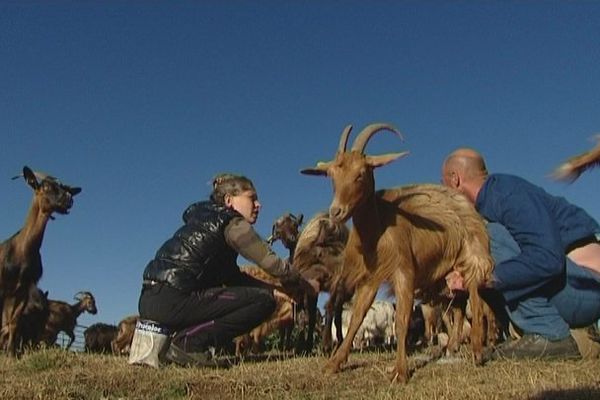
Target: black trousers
[{"x": 212, "y": 317}]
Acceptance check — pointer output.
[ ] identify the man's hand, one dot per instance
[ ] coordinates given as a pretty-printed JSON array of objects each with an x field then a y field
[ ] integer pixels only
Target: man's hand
[{"x": 454, "y": 281}]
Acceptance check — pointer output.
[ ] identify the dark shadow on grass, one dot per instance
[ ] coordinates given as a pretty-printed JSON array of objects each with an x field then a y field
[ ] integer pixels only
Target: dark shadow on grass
[
  {"x": 584, "y": 393},
  {"x": 254, "y": 358}
]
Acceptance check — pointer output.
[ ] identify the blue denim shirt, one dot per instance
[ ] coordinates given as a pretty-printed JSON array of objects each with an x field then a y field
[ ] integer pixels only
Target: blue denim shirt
[{"x": 544, "y": 226}]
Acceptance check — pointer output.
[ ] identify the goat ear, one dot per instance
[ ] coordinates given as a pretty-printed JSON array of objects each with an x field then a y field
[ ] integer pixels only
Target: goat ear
[
  {"x": 30, "y": 178},
  {"x": 74, "y": 190},
  {"x": 320, "y": 169},
  {"x": 383, "y": 159},
  {"x": 300, "y": 218}
]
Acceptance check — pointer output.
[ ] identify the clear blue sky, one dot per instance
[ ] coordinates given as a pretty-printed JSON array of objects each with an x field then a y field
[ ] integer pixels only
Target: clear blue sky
[{"x": 142, "y": 103}]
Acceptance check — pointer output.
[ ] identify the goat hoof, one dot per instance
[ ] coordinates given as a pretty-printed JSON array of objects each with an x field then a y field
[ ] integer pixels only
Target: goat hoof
[
  {"x": 480, "y": 359},
  {"x": 331, "y": 368},
  {"x": 398, "y": 377}
]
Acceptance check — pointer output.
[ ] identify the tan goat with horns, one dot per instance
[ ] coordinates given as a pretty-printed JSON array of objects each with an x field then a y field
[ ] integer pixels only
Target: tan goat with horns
[{"x": 410, "y": 236}]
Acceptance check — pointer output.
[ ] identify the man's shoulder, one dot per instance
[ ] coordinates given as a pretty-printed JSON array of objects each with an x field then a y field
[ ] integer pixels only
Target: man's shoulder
[
  {"x": 507, "y": 183},
  {"x": 503, "y": 178}
]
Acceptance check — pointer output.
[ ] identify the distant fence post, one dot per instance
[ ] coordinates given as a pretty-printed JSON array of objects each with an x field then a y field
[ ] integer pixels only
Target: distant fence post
[{"x": 78, "y": 344}]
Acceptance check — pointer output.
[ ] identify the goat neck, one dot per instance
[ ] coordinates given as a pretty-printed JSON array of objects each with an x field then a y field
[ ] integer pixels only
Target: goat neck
[
  {"x": 367, "y": 224},
  {"x": 32, "y": 233},
  {"x": 78, "y": 308}
]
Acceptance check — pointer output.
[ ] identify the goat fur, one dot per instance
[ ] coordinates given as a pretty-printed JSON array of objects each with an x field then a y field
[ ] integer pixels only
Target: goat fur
[
  {"x": 20, "y": 258},
  {"x": 411, "y": 236},
  {"x": 63, "y": 317},
  {"x": 571, "y": 169},
  {"x": 318, "y": 256},
  {"x": 99, "y": 338},
  {"x": 125, "y": 331}
]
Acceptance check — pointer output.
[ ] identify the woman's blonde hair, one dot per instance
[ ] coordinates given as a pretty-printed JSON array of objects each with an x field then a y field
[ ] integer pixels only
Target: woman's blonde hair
[{"x": 230, "y": 184}]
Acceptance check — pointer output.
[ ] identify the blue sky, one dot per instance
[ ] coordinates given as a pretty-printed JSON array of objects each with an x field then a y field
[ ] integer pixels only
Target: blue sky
[{"x": 141, "y": 103}]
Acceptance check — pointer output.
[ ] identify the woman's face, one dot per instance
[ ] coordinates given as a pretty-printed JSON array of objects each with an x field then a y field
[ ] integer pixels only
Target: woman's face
[{"x": 246, "y": 203}]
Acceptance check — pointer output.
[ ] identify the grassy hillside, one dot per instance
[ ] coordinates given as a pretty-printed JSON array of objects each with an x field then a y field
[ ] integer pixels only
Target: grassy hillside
[{"x": 57, "y": 374}]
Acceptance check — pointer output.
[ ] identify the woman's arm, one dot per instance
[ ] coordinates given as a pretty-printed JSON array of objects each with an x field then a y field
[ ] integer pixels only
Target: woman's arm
[{"x": 242, "y": 237}]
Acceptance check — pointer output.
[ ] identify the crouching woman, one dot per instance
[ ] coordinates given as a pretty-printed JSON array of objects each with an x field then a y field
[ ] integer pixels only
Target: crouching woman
[{"x": 194, "y": 285}]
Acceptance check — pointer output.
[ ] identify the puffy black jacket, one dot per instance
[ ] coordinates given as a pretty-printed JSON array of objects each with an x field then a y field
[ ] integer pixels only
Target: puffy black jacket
[{"x": 197, "y": 257}]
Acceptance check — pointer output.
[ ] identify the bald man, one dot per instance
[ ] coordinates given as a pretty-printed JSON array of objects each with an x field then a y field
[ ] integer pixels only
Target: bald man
[{"x": 547, "y": 255}]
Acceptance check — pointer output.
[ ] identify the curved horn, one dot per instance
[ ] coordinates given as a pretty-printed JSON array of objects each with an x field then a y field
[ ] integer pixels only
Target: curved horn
[
  {"x": 79, "y": 295},
  {"x": 40, "y": 176},
  {"x": 273, "y": 236},
  {"x": 363, "y": 137},
  {"x": 344, "y": 139}
]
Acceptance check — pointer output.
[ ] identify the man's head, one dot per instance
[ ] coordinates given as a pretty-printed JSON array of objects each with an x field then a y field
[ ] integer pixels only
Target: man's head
[{"x": 464, "y": 170}]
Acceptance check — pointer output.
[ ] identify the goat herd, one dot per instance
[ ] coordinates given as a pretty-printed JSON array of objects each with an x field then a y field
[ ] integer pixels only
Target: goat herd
[{"x": 410, "y": 237}]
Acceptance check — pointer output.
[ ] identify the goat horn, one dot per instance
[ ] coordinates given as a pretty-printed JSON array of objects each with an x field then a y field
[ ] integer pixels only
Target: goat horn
[
  {"x": 270, "y": 240},
  {"x": 344, "y": 139},
  {"x": 363, "y": 137},
  {"x": 78, "y": 295},
  {"x": 40, "y": 176}
]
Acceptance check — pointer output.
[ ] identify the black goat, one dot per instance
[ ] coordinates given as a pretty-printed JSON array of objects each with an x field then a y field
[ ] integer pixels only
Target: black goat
[{"x": 99, "y": 338}]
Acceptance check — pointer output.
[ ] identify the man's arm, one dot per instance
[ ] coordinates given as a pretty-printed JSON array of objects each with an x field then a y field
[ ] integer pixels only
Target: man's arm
[{"x": 541, "y": 257}]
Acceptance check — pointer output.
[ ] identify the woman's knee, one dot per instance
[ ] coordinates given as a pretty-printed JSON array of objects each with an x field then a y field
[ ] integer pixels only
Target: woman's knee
[{"x": 266, "y": 298}]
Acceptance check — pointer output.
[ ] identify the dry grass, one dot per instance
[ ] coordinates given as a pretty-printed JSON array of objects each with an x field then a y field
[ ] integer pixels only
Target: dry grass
[{"x": 56, "y": 374}]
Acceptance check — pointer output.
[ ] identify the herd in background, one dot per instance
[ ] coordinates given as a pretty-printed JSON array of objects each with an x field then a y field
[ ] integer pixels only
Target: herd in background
[{"x": 409, "y": 236}]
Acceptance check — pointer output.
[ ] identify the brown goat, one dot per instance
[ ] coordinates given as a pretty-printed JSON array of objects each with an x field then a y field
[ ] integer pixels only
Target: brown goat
[
  {"x": 126, "y": 328},
  {"x": 63, "y": 317},
  {"x": 410, "y": 236},
  {"x": 99, "y": 338},
  {"x": 319, "y": 256},
  {"x": 575, "y": 166},
  {"x": 287, "y": 229},
  {"x": 20, "y": 259}
]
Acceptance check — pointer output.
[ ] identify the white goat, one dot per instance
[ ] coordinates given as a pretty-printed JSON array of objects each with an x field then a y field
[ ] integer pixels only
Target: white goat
[{"x": 377, "y": 327}]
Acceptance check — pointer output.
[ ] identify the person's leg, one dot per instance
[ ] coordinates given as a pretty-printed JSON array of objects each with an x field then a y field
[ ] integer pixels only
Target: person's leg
[
  {"x": 216, "y": 316},
  {"x": 578, "y": 302},
  {"x": 535, "y": 314}
]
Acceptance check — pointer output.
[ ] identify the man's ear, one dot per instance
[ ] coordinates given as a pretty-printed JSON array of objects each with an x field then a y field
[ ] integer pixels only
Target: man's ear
[{"x": 454, "y": 179}]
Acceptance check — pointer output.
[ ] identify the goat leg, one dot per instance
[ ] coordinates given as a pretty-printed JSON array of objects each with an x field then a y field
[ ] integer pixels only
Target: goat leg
[
  {"x": 457, "y": 320},
  {"x": 311, "y": 304},
  {"x": 362, "y": 302},
  {"x": 404, "y": 291},
  {"x": 11, "y": 316},
  {"x": 327, "y": 341},
  {"x": 477, "y": 324}
]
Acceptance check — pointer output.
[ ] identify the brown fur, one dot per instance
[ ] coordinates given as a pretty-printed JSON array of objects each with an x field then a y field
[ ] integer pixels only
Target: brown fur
[
  {"x": 20, "y": 258},
  {"x": 126, "y": 328},
  {"x": 63, "y": 317},
  {"x": 576, "y": 165},
  {"x": 99, "y": 338},
  {"x": 287, "y": 229},
  {"x": 319, "y": 255},
  {"x": 410, "y": 236}
]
